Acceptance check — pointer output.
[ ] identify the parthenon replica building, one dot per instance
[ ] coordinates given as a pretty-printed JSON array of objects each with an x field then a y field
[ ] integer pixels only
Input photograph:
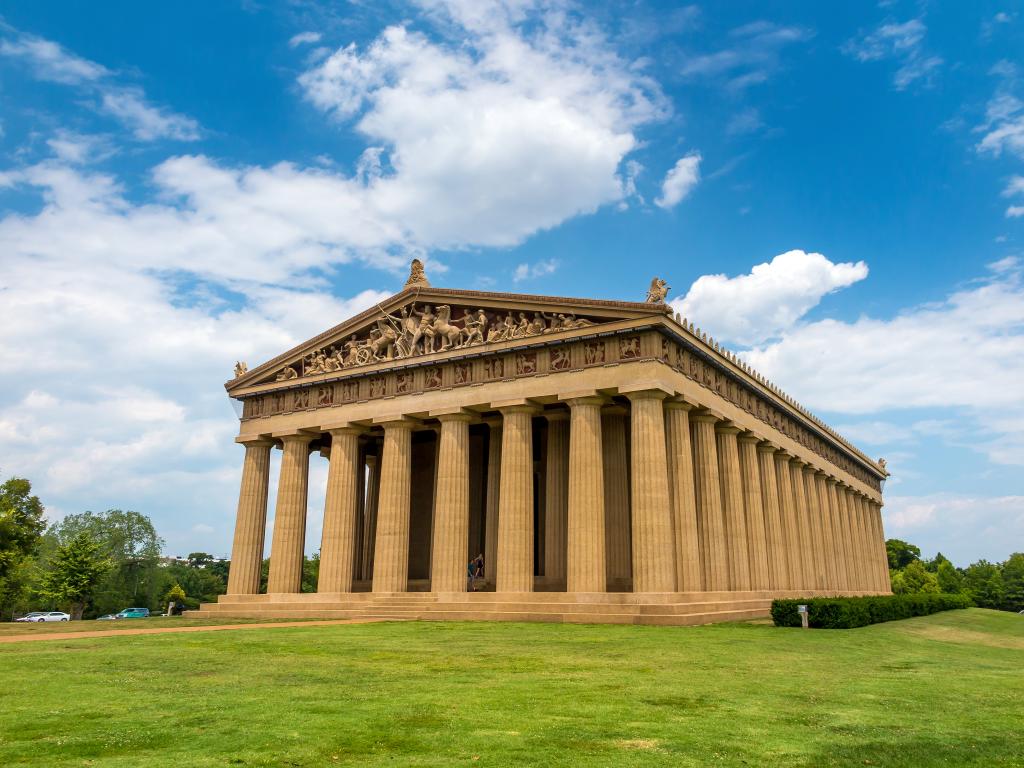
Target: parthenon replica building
[{"x": 608, "y": 461}]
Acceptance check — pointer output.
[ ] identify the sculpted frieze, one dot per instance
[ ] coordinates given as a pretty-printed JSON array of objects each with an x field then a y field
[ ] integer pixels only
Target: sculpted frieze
[{"x": 423, "y": 330}]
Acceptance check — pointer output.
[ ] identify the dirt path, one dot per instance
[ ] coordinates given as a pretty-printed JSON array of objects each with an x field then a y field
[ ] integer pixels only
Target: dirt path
[{"x": 161, "y": 630}]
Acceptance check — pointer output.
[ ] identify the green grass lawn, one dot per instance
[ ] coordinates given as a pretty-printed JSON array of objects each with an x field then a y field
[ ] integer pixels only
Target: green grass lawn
[
  {"x": 17, "y": 628},
  {"x": 940, "y": 690}
]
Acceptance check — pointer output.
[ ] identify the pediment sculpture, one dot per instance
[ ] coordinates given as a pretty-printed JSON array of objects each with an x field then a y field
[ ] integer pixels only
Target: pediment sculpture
[{"x": 423, "y": 330}]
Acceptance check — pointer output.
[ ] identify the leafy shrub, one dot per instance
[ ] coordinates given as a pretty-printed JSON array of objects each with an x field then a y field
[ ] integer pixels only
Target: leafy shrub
[{"x": 848, "y": 612}]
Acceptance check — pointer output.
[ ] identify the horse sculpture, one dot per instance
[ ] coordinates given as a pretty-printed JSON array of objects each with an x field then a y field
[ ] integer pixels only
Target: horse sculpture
[{"x": 449, "y": 334}]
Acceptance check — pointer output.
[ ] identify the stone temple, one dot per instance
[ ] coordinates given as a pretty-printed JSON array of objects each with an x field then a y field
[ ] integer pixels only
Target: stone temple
[{"x": 598, "y": 461}]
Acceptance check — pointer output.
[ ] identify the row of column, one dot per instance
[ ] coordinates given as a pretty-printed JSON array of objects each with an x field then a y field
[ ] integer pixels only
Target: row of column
[{"x": 705, "y": 507}]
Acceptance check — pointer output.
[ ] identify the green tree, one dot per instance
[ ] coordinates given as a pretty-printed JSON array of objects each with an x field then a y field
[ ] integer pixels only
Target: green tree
[
  {"x": 949, "y": 578},
  {"x": 131, "y": 543},
  {"x": 901, "y": 553},
  {"x": 916, "y": 579},
  {"x": 77, "y": 569},
  {"x": 933, "y": 564},
  {"x": 1013, "y": 582},
  {"x": 199, "y": 559},
  {"x": 984, "y": 583},
  {"x": 21, "y": 528}
]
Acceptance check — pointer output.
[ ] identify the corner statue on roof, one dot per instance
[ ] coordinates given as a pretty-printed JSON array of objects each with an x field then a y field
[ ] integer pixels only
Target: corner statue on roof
[{"x": 612, "y": 464}]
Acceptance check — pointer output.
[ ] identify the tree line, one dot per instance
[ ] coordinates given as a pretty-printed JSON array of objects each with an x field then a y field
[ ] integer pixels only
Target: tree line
[{"x": 989, "y": 585}]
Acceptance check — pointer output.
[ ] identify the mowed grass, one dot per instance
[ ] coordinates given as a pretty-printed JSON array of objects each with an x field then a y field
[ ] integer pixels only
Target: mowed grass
[
  {"x": 21, "y": 629},
  {"x": 941, "y": 690}
]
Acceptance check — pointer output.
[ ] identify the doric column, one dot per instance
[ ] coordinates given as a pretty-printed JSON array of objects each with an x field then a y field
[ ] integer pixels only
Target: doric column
[
  {"x": 290, "y": 517},
  {"x": 338, "y": 546},
  {"x": 451, "y": 506},
  {"x": 654, "y": 567},
  {"x": 869, "y": 545},
  {"x": 864, "y": 555},
  {"x": 736, "y": 547},
  {"x": 493, "y": 495},
  {"x": 828, "y": 535},
  {"x": 796, "y": 475},
  {"x": 391, "y": 548},
  {"x": 615, "y": 468},
  {"x": 846, "y": 536},
  {"x": 884, "y": 585},
  {"x": 816, "y": 529},
  {"x": 556, "y": 495},
  {"x": 250, "y": 520},
  {"x": 775, "y": 536},
  {"x": 515, "y": 506},
  {"x": 708, "y": 491},
  {"x": 790, "y": 524},
  {"x": 840, "y": 536},
  {"x": 757, "y": 540},
  {"x": 586, "y": 565},
  {"x": 684, "y": 500},
  {"x": 370, "y": 513}
]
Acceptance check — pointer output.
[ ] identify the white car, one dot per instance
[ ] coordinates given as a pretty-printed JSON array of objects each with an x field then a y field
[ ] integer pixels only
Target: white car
[{"x": 45, "y": 616}]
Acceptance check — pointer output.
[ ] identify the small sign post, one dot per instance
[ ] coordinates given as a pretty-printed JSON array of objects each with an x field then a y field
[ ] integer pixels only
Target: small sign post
[{"x": 802, "y": 610}]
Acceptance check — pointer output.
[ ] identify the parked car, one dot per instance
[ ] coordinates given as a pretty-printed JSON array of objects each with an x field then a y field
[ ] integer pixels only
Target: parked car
[
  {"x": 46, "y": 616},
  {"x": 133, "y": 613},
  {"x": 106, "y": 617}
]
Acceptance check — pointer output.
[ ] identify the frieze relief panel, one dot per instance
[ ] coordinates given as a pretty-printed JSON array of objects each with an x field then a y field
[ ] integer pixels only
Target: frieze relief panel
[{"x": 423, "y": 330}]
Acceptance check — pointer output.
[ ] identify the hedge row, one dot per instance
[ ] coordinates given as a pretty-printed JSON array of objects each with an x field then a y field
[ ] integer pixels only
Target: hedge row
[{"x": 847, "y": 612}]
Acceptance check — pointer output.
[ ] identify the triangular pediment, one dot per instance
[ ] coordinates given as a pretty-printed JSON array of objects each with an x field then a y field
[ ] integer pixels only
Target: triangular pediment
[{"x": 421, "y": 322}]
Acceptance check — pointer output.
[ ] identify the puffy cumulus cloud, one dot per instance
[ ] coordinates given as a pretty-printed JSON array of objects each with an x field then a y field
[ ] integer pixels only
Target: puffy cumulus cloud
[
  {"x": 902, "y": 42},
  {"x": 962, "y": 527},
  {"x": 930, "y": 356},
  {"x": 679, "y": 181},
  {"x": 518, "y": 118},
  {"x": 769, "y": 300}
]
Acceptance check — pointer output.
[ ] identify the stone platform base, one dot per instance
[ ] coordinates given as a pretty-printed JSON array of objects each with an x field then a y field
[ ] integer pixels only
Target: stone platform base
[{"x": 683, "y": 608}]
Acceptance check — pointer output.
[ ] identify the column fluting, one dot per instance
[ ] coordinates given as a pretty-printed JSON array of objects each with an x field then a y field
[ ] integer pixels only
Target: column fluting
[
  {"x": 338, "y": 546},
  {"x": 250, "y": 520},
  {"x": 845, "y": 535},
  {"x": 370, "y": 513},
  {"x": 653, "y": 559},
  {"x": 689, "y": 576},
  {"x": 515, "y": 508},
  {"x": 615, "y": 468},
  {"x": 493, "y": 495},
  {"x": 803, "y": 529},
  {"x": 839, "y": 538},
  {"x": 708, "y": 494},
  {"x": 733, "y": 515},
  {"x": 556, "y": 496},
  {"x": 775, "y": 536},
  {"x": 286, "y": 549},
  {"x": 753, "y": 504},
  {"x": 586, "y": 564},
  {"x": 391, "y": 548},
  {"x": 828, "y": 535},
  {"x": 790, "y": 524},
  {"x": 451, "y": 506}
]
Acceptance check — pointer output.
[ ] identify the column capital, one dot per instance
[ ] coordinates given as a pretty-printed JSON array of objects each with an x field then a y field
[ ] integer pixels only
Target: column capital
[
  {"x": 396, "y": 422},
  {"x": 706, "y": 416},
  {"x": 766, "y": 446},
  {"x": 750, "y": 437},
  {"x": 463, "y": 417},
  {"x": 254, "y": 440},
  {"x": 783, "y": 455},
  {"x": 798, "y": 461},
  {"x": 296, "y": 436},
  {"x": 644, "y": 392},
  {"x": 558, "y": 415},
  {"x": 831, "y": 480},
  {"x": 530, "y": 409},
  {"x": 676, "y": 404},
  {"x": 346, "y": 430},
  {"x": 727, "y": 428},
  {"x": 592, "y": 400}
]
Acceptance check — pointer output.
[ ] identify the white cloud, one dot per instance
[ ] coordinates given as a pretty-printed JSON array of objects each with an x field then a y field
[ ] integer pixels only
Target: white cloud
[
  {"x": 902, "y": 42},
  {"x": 51, "y": 62},
  {"x": 1015, "y": 186},
  {"x": 76, "y": 148},
  {"x": 679, "y": 181},
  {"x": 304, "y": 38},
  {"x": 1003, "y": 127},
  {"x": 752, "y": 58},
  {"x": 1015, "y": 211},
  {"x": 504, "y": 130},
  {"x": 538, "y": 269},
  {"x": 964, "y": 354},
  {"x": 964, "y": 528},
  {"x": 146, "y": 121},
  {"x": 769, "y": 300}
]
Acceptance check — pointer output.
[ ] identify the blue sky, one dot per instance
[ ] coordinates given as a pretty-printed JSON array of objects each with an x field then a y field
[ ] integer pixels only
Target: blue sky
[{"x": 836, "y": 192}]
